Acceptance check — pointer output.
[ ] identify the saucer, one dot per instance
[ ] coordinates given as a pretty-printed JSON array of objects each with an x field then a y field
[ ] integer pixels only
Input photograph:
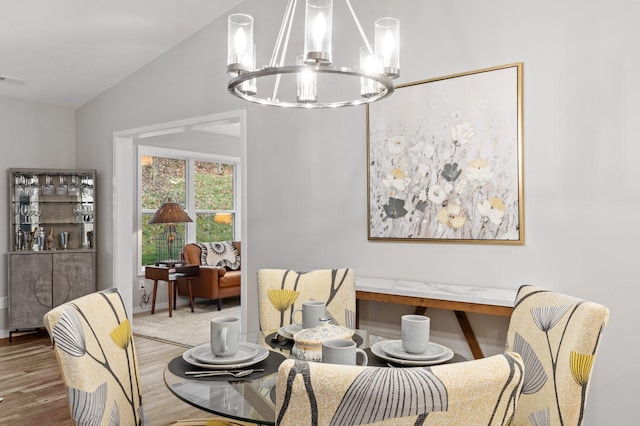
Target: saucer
[
  {"x": 284, "y": 333},
  {"x": 395, "y": 349},
  {"x": 203, "y": 354},
  {"x": 377, "y": 350},
  {"x": 292, "y": 329},
  {"x": 262, "y": 354}
]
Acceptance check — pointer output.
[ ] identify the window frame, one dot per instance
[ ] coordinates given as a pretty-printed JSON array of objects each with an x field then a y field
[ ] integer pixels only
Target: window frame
[{"x": 190, "y": 158}]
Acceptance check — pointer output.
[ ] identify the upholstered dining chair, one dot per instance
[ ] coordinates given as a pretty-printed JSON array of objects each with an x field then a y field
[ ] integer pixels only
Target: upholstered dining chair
[
  {"x": 558, "y": 337},
  {"x": 94, "y": 347},
  {"x": 281, "y": 291},
  {"x": 480, "y": 392}
]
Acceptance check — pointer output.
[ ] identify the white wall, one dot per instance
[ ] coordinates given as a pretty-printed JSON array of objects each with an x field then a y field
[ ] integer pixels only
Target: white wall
[
  {"x": 306, "y": 201},
  {"x": 31, "y": 136}
]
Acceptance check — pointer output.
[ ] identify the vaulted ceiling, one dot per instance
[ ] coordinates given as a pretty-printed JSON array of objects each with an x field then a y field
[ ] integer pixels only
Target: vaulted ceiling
[{"x": 66, "y": 52}]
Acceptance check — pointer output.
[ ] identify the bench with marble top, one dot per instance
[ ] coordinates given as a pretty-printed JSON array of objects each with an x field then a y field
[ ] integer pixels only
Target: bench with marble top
[{"x": 454, "y": 297}]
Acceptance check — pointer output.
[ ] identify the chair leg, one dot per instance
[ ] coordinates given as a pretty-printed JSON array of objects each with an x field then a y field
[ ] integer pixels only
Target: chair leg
[
  {"x": 190, "y": 296},
  {"x": 219, "y": 303}
]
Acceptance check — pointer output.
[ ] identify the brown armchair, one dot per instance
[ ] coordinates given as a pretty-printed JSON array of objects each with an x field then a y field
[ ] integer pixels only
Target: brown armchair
[{"x": 214, "y": 282}]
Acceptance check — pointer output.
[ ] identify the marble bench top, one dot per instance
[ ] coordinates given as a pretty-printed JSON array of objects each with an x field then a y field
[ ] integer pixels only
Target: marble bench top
[{"x": 440, "y": 291}]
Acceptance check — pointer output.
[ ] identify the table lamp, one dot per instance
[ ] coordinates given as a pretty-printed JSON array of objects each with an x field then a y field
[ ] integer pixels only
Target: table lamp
[{"x": 169, "y": 244}]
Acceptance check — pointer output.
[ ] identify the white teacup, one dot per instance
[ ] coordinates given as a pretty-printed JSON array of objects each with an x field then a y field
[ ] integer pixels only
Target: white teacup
[
  {"x": 225, "y": 335},
  {"x": 342, "y": 351},
  {"x": 415, "y": 333},
  {"x": 312, "y": 312}
]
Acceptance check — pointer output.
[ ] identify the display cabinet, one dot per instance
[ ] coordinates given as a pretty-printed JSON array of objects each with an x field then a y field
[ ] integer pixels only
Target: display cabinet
[{"x": 52, "y": 241}]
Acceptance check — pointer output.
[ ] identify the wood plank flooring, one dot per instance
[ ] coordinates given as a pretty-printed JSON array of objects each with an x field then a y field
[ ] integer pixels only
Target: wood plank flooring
[{"x": 34, "y": 393}]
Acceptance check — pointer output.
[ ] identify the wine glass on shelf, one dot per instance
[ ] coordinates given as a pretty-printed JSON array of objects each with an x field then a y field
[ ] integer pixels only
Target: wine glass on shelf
[
  {"x": 72, "y": 188},
  {"x": 25, "y": 214},
  {"x": 87, "y": 186},
  {"x": 34, "y": 185},
  {"x": 20, "y": 186},
  {"x": 61, "y": 189},
  {"x": 35, "y": 213},
  {"x": 77, "y": 211},
  {"x": 47, "y": 188}
]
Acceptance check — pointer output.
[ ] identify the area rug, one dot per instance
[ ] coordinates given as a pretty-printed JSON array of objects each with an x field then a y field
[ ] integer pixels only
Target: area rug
[{"x": 184, "y": 328}]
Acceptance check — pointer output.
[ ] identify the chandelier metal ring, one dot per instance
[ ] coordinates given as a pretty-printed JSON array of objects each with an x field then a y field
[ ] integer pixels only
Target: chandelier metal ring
[{"x": 234, "y": 87}]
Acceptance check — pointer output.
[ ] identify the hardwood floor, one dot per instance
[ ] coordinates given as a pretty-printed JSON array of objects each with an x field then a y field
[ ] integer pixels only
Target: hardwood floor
[{"x": 34, "y": 394}]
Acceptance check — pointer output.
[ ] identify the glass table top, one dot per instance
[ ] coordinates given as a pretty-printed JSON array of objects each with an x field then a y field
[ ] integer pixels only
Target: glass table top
[{"x": 248, "y": 399}]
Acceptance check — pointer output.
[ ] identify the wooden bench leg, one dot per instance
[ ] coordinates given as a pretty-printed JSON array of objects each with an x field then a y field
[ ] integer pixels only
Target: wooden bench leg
[
  {"x": 469, "y": 336},
  {"x": 465, "y": 325},
  {"x": 153, "y": 297}
]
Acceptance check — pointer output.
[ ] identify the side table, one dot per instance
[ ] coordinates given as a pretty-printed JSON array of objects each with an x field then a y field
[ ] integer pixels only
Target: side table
[{"x": 171, "y": 275}]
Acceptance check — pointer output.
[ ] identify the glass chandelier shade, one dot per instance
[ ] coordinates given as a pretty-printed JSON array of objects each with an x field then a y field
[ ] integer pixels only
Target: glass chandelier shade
[{"x": 368, "y": 81}]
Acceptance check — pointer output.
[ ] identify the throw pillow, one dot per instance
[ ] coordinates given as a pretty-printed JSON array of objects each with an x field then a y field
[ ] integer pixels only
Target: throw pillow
[{"x": 222, "y": 253}]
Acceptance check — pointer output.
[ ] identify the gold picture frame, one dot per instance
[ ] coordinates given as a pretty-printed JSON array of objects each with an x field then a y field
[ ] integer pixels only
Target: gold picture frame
[{"x": 445, "y": 160}]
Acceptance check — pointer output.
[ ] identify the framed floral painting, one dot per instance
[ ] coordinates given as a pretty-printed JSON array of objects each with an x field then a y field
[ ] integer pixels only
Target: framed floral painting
[{"x": 445, "y": 159}]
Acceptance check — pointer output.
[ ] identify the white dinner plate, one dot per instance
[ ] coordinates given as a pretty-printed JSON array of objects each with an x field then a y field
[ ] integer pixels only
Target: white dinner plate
[
  {"x": 377, "y": 350},
  {"x": 394, "y": 348},
  {"x": 262, "y": 354},
  {"x": 203, "y": 353}
]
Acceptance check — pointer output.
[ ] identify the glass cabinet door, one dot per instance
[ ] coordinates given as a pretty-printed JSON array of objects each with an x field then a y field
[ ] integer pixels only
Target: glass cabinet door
[{"x": 51, "y": 209}]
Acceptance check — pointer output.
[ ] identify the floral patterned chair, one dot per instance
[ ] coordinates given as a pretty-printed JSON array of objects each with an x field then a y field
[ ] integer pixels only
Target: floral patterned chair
[
  {"x": 479, "y": 392},
  {"x": 281, "y": 291},
  {"x": 94, "y": 347},
  {"x": 557, "y": 337}
]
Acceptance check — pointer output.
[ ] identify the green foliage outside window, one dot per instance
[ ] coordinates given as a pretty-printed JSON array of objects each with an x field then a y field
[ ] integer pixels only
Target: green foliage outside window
[{"x": 213, "y": 191}]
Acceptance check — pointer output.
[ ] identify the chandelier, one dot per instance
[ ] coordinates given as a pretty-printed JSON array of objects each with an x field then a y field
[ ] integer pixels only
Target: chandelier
[{"x": 301, "y": 85}]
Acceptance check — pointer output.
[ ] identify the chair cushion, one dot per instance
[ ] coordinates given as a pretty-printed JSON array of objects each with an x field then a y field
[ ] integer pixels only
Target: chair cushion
[
  {"x": 479, "y": 392},
  {"x": 558, "y": 337},
  {"x": 282, "y": 291},
  {"x": 96, "y": 355},
  {"x": 222, "y": 253}
]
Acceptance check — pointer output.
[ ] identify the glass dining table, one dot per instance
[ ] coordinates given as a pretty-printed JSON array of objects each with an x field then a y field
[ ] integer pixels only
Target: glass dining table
[{"x": 252, "y": 398}]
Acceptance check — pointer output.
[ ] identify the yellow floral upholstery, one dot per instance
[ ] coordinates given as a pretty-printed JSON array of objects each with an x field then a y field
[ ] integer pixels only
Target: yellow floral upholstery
[
  {"x": 557, "y": 337},
  {"x": 480, "y": 392},
  {"x": 94, "y": 347},
  {"x": 281, "y": 291}
]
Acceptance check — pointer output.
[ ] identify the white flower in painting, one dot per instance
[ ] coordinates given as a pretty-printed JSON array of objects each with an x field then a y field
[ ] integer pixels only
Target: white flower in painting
[
  {"x": 462, "y": 133},
  {"x": 448, "y": 186},
  {"x": 395, "y": 180},
  {"x": 423, "y": 148},
  {"x": 479, "y": 169},
  {"x": 422, "y": 169},
  {"x": 483, "y": 103},
  {"x": 461, "y": 186},
  {"x": 396, "y": 144},
  {"x": 437, "y": 194},
  {"x": 493, "y": 208},
  {"x": 422, "y": 196},
  {"x": 456, "y": 115}
]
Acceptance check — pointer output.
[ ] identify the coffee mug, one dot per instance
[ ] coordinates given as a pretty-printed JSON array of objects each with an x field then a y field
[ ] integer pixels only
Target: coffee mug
[
  {"x": 415, "y": 333},
  {"x": 342, "y": 351},
  {"x": 225, "y": 335},
  {"x": 312, "y": 312}
]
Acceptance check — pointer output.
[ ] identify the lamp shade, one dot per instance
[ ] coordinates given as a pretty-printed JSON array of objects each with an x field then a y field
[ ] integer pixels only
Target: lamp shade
[{"x": 170, "y": 212}]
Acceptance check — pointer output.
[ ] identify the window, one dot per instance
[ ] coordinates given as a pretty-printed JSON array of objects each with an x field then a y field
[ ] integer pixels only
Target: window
[{"x": 205, "y": 186}]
